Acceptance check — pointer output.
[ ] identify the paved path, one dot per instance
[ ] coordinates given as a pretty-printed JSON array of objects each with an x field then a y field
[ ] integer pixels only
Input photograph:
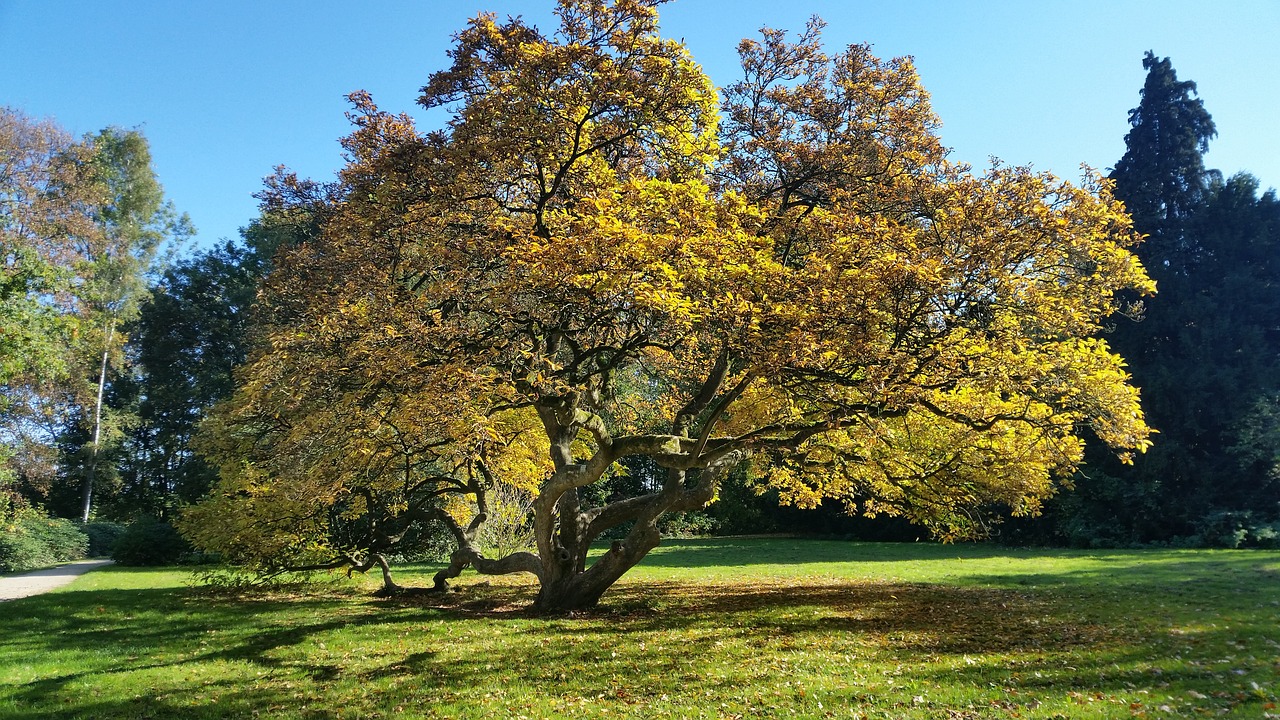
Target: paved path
[{"x": 13, "y": 587}]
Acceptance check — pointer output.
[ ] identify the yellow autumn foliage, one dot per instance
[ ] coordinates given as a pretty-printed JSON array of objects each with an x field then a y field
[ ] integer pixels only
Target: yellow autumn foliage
[{"x": 602, "y": 257}]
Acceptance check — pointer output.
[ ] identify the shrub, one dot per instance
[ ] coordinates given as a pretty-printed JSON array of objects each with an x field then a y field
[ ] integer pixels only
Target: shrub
[
  {"x": 102, "y": 537},
  {"x": 64, "y": 538},
  {"x": 31, "y": 541},
  {"x": 508, "y": 528},
  {"x": 424, "y": 542},
  {"x": 1223, "y": 529},
  {"x": 20, "y": 551},
  {"x": 1267, "y": 536},
  {"x": 149, "y": 541},
  {"x": 687, "y": 524}
]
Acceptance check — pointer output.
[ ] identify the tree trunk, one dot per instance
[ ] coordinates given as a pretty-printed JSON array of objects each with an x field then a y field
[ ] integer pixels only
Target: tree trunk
[
  {"x": 582, "y": 590},
  {"x": 566, "y": 596},
  {"x": 567, "y": 584},
  {"x": 86, "y": 487},
  {"x": 389, "y": 586}
]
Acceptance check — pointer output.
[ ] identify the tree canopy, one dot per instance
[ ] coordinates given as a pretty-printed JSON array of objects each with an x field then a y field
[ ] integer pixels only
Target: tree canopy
[
  {"x": 133, "y": 222},
  {"x": 81, "y": 224},
  {"x": 1161, "y": 176},
  {"x": 602, "y": 258},
  {"x": 44, "y": 202},
  {"x": 187, "y": 338}
]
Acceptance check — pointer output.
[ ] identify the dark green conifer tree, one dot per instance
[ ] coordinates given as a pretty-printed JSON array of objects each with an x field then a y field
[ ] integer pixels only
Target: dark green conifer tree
[
  {"x": 1205, "y": 350},
  {"x": 1161, "y": 178}
]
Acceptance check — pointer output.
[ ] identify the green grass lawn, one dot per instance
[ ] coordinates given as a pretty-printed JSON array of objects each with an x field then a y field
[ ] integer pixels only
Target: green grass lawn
[{"x": 703, "y": 628}]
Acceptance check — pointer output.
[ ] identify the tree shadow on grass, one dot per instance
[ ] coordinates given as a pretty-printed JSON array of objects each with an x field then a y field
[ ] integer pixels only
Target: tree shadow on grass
[
  {"x": 107, "y": 635},
  {"x": 994, "y": 641},
  {"x": 645, "y": 641}
]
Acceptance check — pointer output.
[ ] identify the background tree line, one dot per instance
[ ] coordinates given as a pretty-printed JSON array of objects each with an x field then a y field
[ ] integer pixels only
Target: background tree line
[
  {"x": 83, "y": 230},
  {"x": 112, "y": 351}
]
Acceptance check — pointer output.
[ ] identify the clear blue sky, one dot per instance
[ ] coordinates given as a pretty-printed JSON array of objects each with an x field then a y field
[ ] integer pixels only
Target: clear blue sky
[{"x": 227, "y": 90}]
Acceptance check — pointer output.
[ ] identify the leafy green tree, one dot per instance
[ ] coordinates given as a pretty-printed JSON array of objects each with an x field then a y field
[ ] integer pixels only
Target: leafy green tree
[
  {"x": 133, "y": 222},
  {"x": 1221, "y": 362},
  {"x": 81, "y": 226},
  {"x": 189, "y": 336},
  {"x": 46, "y": 209}
]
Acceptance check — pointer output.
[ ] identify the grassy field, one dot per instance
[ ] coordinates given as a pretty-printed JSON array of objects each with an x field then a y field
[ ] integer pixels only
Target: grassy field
[{"x": 703, "y": 629}]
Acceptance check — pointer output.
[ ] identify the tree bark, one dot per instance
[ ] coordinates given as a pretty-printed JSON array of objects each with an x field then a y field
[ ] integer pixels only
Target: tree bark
[
  {"x": 583, "y": 590},
  {"x": 86, "y": 486}
]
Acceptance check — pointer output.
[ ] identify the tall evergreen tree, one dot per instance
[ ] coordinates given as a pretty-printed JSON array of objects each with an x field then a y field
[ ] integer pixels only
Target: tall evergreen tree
[
  {"x": 1229, "y": 347},
  {"x": 1206, "y": 351},
  {"x": 1161, "y": 178}
]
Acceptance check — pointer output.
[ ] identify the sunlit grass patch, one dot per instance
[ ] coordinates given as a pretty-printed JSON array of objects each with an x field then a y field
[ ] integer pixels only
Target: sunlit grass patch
[{"x": 716, "y": 628}]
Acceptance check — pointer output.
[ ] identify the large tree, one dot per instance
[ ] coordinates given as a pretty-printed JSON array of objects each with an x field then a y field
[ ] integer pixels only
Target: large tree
[
  {"x": 133, "y": 222},
  {"x": 81, "y": 223},
  {"x": 590, "y": 265},
  {"x": 189, "y": 335},
  {"x": 1206, "y": 350},
  {"x": 1161, "y": 178},
  {"x": 46, "y": 207}
]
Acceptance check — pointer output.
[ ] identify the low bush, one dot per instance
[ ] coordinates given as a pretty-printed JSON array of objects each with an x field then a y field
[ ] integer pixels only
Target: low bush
[
  {"x": 149, "y": 541},
  {"x": 102, "y": 537},
  {"x": 32, "y": 540},
  {"x": 1267, "y": 536},
  {"x": 509, "y": 527},
  {"x": 1237, "y": 530},
  {"x": 687, "y": 524}
]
